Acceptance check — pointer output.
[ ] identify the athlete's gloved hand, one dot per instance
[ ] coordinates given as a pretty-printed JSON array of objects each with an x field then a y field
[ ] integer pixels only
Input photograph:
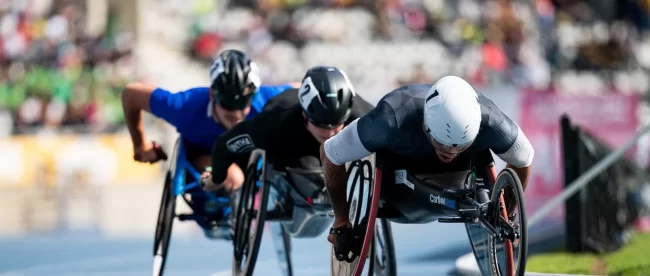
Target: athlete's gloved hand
[
  {"x": 345, "y": 243},
  {"x": 206, "y": 181},
  {"x": 149, "y": 152}
]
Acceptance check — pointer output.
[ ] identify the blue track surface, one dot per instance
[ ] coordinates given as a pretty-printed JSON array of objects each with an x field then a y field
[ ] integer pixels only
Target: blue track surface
[{"x": 428, "y": 247}]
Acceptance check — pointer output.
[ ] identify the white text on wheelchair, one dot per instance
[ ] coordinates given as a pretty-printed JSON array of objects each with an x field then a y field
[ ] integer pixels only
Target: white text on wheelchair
[{"x": 442, "y": 201}]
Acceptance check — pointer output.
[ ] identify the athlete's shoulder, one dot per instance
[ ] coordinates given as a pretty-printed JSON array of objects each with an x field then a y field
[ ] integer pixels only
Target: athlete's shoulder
[
  {"x": 177, "y": 107},
  {"x": 285, "y": 100},
  {"x": 187, "y": 93},
  {"x": 196, "y": 97},
  {"x": 273, "y": 89},
  {"x": 498, "y": 131},
  {"x": 265, "y": 94},
  {"x": 492, "y": 114},
  {"x": 411, "y": 94},
  {"x": 403, "y": 104},
  {"x": 197, "y": 90}
]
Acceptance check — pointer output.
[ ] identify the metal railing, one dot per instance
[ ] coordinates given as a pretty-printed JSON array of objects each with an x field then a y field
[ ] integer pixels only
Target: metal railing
[{"x": 585, "y": 178}]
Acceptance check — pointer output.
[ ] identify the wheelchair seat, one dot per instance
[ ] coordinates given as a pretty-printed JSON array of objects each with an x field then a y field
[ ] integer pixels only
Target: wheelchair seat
[
  {"x": 306, "y": 183},
  {"x": 311, "y": 203}
]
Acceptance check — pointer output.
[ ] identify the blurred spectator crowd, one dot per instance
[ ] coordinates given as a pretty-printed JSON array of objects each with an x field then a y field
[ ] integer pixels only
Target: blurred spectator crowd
[
  {"x": 568, "y": 46},
  {"x": 54, "y": 73}
]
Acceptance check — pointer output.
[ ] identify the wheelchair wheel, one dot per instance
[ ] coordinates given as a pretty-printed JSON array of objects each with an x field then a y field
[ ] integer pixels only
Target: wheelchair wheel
[
  {"x": 282, "y": 242},
  {"x": 507, "y": 256},
  {"x": 383, "y": 251},
  {"x": 363, "y": 199},
  {"x": 250, "y": 215},
  {"x": 164, "y": 225}
]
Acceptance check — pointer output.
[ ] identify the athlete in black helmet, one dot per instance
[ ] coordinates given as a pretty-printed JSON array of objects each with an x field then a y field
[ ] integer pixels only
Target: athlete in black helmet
[
  {"x": 328, "y": 104},
  {"x": 234, "y": 87},
  {"x": 292, "y": 125},
  {"x": 200, "y": 114}
]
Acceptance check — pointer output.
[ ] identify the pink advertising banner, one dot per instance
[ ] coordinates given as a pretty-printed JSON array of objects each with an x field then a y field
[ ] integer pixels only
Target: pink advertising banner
[{"x": 612, "y": 118}]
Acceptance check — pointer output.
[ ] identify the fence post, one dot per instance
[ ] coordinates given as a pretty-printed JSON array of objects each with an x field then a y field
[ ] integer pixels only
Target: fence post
[{"x": 572, "y": 207}]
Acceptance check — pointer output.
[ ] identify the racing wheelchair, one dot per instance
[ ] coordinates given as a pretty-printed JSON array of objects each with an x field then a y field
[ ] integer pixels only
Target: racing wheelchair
[
  {"x": 309, "y": 215},
  {"x": 498, "y": 237},
  {"x": 183, "y": 179}
]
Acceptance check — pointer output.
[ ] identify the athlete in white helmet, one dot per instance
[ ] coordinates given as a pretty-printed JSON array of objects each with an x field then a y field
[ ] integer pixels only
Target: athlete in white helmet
[{"x": 446, "y": 124}]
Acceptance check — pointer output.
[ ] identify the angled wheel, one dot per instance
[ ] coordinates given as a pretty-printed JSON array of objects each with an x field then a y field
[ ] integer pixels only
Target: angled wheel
[
  {"x": 478, "y": 237},
  {"x": 250, "y": 215},
  {"x": 507, "y": 255},
  {"x": 164, "y": 225},
  {"x": 282, "y": 242},
  {"x": 363, "y": 201},
  {"x": 383, "y": 251}
]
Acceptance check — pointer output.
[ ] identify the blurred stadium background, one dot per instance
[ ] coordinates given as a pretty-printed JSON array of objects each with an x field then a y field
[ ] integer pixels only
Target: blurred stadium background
[{"x": 66, "y": 166}]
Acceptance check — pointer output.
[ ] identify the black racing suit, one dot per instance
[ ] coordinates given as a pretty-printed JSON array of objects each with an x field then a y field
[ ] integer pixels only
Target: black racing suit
[{"x": 280, "y": 130}]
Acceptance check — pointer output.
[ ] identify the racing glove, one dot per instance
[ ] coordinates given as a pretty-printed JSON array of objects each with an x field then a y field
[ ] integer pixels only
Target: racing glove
[{"x": 347, "y": 246}]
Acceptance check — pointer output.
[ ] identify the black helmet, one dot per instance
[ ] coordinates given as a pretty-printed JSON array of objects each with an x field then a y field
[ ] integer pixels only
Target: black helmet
[
  {"x": 326, "y": 96},
  {"x": 235, "y": 79}
]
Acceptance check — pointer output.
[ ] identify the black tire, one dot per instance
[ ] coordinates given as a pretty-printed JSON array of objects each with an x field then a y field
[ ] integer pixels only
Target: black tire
[
  {"x": 286, "y": 242},
  {"x": 508, "y": 179},
  {"x": 245, "y": 245},
  {"x": 287, "y": 250},
  {"x": 162, "y": 237},
  {"x": 384, "y": 265},
  {"x": 358, "y": 172},
  {"x": 282, "y": 244}
]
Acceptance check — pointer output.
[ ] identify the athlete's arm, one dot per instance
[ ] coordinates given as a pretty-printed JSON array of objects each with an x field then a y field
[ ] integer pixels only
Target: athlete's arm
[
  {"x": 357, "y": 140},
  {"x": 512, "y": 146},
  {"x": 171, "y": 107},
  {"x": 135, "y": 98},
  {"x": 519, "y": 156},
  {"x": 266, "y": 93}
]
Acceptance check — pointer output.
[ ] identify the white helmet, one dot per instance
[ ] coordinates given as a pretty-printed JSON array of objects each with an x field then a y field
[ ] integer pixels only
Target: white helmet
[{"x": 452, "y": 114}]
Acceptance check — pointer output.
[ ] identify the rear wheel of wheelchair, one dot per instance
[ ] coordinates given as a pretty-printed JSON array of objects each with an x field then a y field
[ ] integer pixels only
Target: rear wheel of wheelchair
[
  {"x": 360, "y": 194},
  {"x": 383, "y": 250},
  {"x": 250, "y": 215},
  {"x": 162, "y": 237},
  {"x": 507, "y": 256}
]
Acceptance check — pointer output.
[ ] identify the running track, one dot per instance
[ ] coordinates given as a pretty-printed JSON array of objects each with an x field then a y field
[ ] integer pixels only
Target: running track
[
  {"x": 426, "y": 247},
  {"x": 432, "y": 247}
]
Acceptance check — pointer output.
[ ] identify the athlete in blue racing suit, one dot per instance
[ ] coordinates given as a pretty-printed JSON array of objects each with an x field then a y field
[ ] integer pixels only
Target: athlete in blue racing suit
[{"x": 200, "y": 114}]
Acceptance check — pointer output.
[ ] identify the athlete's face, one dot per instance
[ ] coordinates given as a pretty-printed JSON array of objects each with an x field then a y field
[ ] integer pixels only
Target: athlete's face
[
  {"x": 446, "y": 153},
  {"x": 321, "y": 134},
  {"x": 229, "y": 118}
]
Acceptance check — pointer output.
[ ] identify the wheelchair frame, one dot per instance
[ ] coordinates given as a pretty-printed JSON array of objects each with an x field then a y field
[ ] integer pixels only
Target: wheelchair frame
[
  {"x": 181, "y": 167},
  {"x": 176, "y": 185},
  {"x": 266, "y": 171},
  {"x": 455, "y": 206}
]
